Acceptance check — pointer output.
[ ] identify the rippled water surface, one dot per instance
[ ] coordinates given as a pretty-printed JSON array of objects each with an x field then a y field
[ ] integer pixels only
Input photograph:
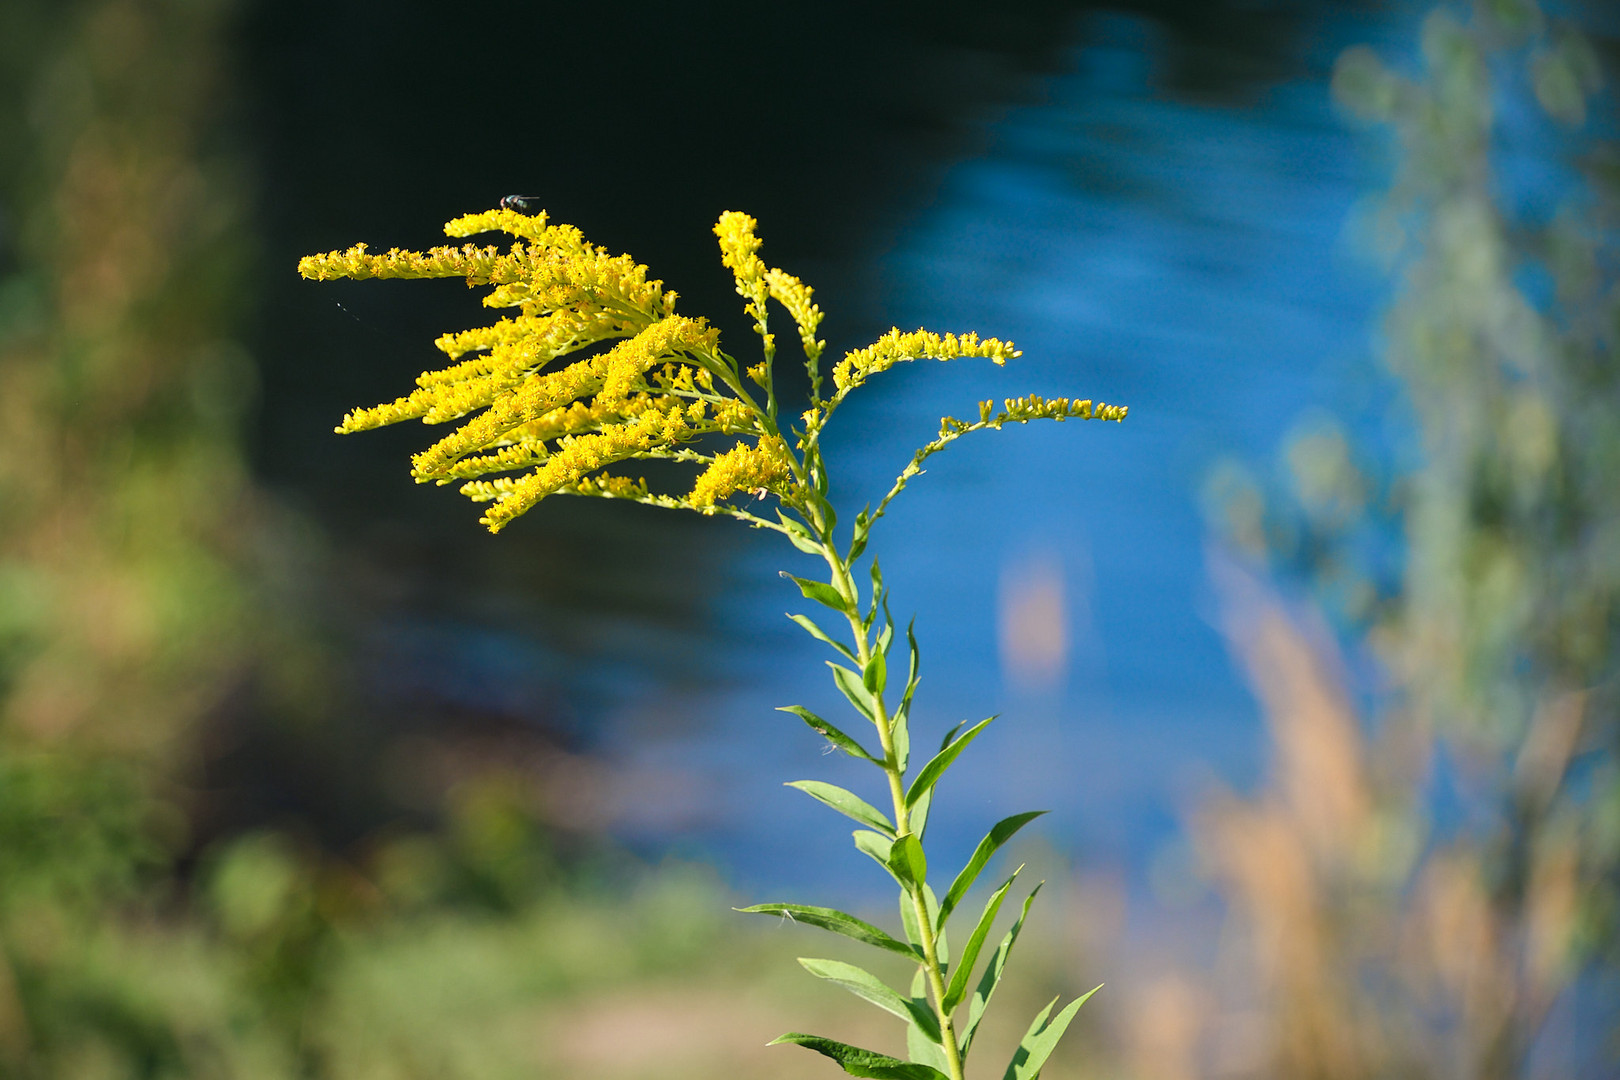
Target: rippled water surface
[{"x": 1183, "y": 256}]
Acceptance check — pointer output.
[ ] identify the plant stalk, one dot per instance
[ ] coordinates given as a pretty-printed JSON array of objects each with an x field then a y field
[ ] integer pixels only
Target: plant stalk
[{"x": 844, "y": 583}]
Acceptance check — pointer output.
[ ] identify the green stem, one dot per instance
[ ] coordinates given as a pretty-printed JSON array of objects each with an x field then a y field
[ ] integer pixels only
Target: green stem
[{"x": 844, "y": 583}]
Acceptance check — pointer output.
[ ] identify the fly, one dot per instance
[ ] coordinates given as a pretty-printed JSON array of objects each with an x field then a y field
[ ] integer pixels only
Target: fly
[{"x": 523, "y": 204}]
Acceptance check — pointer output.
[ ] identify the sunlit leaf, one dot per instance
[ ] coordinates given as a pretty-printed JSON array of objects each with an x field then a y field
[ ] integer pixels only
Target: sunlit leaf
[
  {"x": 918, "y": 817},
  {"x": 970, "y": 952},
  {"x": 838, "y": 922},
  {"x": 864, "y": 1063},
  {"x": 821, "y": 635},
  {"x": 877, "y": 846},
  {"x": 999, "y": 834},
  {"x": 820, "y": 592},
  {"x": 845, "y": 802},
  {"x": 1042, "y": 1038},
  {"x": 850, "y": 685},
  {"x": 799, "y": 536},
  {"x": 863, "y": 984},
  {"x": 832, "y": 734},
  {"x": 992, "y": 975},
  {"x": 876, "y": 674},
  {"x": 907, "y": 860},
  {"x": 936, "y": 768}
]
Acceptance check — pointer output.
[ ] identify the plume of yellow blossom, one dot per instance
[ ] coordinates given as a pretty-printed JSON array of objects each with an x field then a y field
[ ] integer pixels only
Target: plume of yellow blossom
[
  {"x": 895, "y": 347},
  {"x": 596, "y": 368},
  {"x": 766, "y": 466}
]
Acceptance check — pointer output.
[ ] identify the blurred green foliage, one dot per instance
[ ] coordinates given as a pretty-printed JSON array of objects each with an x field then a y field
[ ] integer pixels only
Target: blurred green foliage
[
  {"x": 138, "y": 603},
  {"x": 1480, "y": 566}
]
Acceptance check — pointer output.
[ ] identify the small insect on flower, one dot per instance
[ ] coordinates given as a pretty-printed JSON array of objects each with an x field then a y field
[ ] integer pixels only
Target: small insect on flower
[{"x": 523, "y": 204}]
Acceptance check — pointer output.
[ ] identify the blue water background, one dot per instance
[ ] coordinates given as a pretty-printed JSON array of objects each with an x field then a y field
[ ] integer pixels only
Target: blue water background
[{"x": 1188, "y": 259}]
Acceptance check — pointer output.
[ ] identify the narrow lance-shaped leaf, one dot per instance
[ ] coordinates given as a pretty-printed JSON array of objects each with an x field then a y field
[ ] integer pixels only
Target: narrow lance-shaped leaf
[
  {"x": 822, "y": 636},
  {"x": 863, "y": 528},
  {"x": 998, "y": 835},
  {"x": 877, "y": 592},
  {"x": 831, "y": 733},
  {"x": 992, "y": 976},
  {"x": 845, "y": 802},
  {"x": 799, "y": 536},
  {"x": 863, "y": 984},
  {"x": 850, "y": 685},
  {"x": 875, "y": 676},
  {"x": 907, "y": 860},
  {"x": 970, "y": 952},
  {"x": 1042, "y": 1038},
  {"x": 820, "y": 592},
  {"x": 864, "y": 1063},
  {"x": 878, "y": 847},
  {"x": 919, "y": 1046},
  {"x": 917, "y": 818},
  {"x": 932, "y": 771},
  {"x": 899, "y": 723},
  {"x": 838, "y": 922}
]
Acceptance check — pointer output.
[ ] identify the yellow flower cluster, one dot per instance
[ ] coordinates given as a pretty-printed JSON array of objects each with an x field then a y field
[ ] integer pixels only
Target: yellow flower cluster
[
  {"x": 653, "y": 389},
  {"x": 895, "y": 347},
  {"x": 1023, "y": 410},
  {"x": 595, "y": 368},
  {"x": 765, "y": 467}
]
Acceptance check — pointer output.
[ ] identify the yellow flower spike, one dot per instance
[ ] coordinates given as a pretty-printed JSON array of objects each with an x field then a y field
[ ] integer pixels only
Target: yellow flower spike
[
  {"x": 526, "y": 226},
  {"x": 739, "y": 249},
  {"x": 794, "y": 295},
  {"x": 896, "y": 347},
  {"x": 470, "y": 262}
]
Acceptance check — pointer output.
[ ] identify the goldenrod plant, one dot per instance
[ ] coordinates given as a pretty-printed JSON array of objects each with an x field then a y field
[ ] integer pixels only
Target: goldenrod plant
[{"x": 596, "y": 368}]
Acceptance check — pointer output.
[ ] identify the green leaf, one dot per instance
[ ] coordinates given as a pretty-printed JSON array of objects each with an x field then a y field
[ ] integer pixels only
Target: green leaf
[
  {"x": 916, "y": 658},
  {"x": 863, "y": 1063},
  {"x": 877, "y": 592},
  {"x": 1042, "y": 1038},
  {"x": 833, "y": 735},
  {"x": 900, "y": 735},
  {"x": 820, "y": 592},
  {"x": 992, "y": 975},
  {"x": 838, "y": 922},
  {"x": 799, "y": 536},
  {"x": 876, "y": 674},
  {"x": 863, "y": 527},
  {"x": 951, "y": 734},
  {"x": 920, "y": 1047},
  {"x": 852, "y": 688},
  {"x": 899, "y": 723},
  {"x": 932, "y": 771},
  {"x": 863, "y": 984},
  {"x": 877, "y": 846},
  {"x": 918, "y": 817},
  {"x": 999, "y": 834},
  {"x": 845, "y": 802},
  {"x": 821, "y": 635},
  {"x": 907, "y": 860},
  {"x": 970, "y": 952}
]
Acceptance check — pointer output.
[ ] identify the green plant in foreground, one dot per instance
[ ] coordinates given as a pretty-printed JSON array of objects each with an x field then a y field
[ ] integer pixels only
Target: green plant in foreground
[{"x": 664, "y": 389}]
